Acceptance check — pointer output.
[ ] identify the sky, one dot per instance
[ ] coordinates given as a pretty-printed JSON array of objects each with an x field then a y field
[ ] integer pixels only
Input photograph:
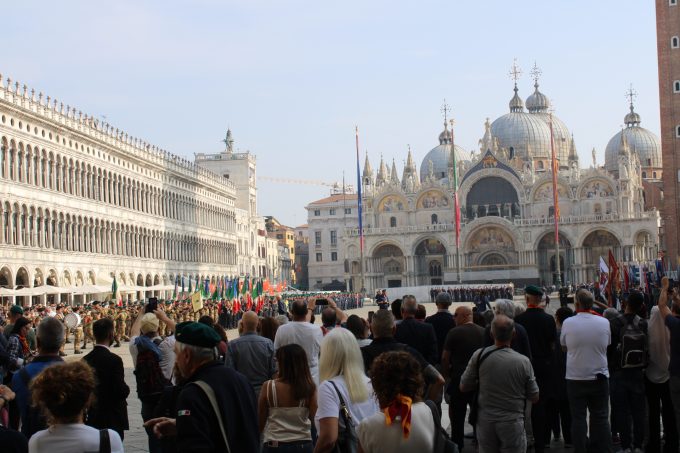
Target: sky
[{"x": 293, "y": 78}]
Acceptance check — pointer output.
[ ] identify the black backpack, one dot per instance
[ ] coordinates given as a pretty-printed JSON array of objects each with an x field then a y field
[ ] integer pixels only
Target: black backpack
[
  {"x": 148, "y": 374},
  {"x": 35, "y": 420},
  {"x": 633, "y": 344}
]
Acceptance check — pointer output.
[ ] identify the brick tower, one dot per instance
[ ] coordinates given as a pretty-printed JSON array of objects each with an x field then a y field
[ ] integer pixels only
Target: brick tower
[{"x": 668, "y": 49}]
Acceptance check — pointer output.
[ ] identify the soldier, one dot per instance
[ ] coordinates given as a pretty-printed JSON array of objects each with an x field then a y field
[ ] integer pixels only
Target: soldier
[
  {"x": 77, "y": 335},
  {"x": 87, "y": 329}
]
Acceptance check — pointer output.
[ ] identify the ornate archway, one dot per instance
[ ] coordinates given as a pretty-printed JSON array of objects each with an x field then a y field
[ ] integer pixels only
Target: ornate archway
[
  {"x": 547, "y": 262},
  {"x": 490, "y": 247},
  {"x": 389, "y": 260},
  {"x": 430, "y": 256},
  {"x": 597, "y": 244}
]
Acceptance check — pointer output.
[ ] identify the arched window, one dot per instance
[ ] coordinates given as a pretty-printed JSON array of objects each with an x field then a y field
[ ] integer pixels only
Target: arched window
[
  {"x": 433, "y": 219},
  {"x": 675, "y": 42},
  {"x": 676, "y": 86},
  {"x": 654, "y": 175},
  {"x": 644, "y": 174},
  {"x": 393, "y": 222},
  {"x": 540, "y": 165}
]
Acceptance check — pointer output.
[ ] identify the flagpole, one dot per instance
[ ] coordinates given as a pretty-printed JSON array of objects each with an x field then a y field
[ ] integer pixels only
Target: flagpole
[
  {"x": 361, "y": 228},
  {"x": 456, "y": 217},
  {"x": 556, "y": 207}
]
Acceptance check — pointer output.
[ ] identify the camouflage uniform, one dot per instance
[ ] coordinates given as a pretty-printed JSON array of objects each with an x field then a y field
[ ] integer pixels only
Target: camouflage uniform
[{"x": 87, "y": 329}]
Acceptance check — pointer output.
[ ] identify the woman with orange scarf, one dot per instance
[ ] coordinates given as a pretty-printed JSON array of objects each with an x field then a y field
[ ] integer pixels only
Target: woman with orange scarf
[{"x": 405, "y": 423}]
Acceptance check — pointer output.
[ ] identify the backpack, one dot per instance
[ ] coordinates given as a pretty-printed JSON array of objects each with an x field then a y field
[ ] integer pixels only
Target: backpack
[
  {"x": 633, "y": 345},
  {"x": 35, "y": 420},
  {"x": 148, "y": 374}
]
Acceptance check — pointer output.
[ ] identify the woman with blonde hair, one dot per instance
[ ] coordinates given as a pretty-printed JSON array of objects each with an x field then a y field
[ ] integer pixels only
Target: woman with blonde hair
[{"x": 345, "y": 392}]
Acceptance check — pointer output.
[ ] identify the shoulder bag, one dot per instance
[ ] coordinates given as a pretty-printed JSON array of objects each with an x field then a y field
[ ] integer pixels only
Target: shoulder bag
[
  {"x": 210, "y": 393},
  {"x": 348, "y": 441},
  {"x": 474, "y": 405},
  {"x": 442, "y": 442}
]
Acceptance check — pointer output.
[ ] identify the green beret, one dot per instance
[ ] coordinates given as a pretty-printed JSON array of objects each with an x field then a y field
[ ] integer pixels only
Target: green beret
[
  {"x": 533, "y": 290},
  {"x": 196, "y": 334},
  {"x": 168, "y": 302},
  {"x": 17, "y": 310}
]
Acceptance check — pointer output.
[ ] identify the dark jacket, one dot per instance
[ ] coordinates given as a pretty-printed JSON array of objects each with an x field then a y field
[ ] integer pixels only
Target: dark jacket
[
  {"x": 197, "y": 427},
  {"x": 442, "y": 321},
  {"x": 110, "y": 406},
  {"x": 420, "y": 336}
]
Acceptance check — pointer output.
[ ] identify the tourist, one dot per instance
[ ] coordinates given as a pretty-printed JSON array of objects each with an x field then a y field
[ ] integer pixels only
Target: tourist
[
  {"x": 540, "y": 328},
  {"x": 420, "y": 336},
  {"x": 657, "y": 388},
  {"x": 343, "y": 382},
  {"x": 671, "y": 318},
  {"x": 197, "y": 427},
  {"x": 383, "y": 328},
  {"x": 520, "y": 341},
  {"x": 65, "y": 392},
  {"x": 268, "y": 327},
  {"x": 406, "y": 423},
  {"x": 504, "y": 381},
  {"x": 12, "y": 441},
  {"x": 251, "y": 354},
  {"x": 395, "y": 306},
  {"x": 461, "y": 342},
  {"x": 287, "y": 404},
  {"x": 329, "y": 320},
  {"x": 109, "y": 409},
  {"x": 301, "y": 331},
  {"x": 585, "y": 338},
  {"x": 50, "y": 341},
  {"x": 18, "y": 348},
  {"x": 626, "y": 371},
  {"x": 360, "y": 329},
  {"x": 558, "y": 413},
  {"x": 149, "y": 353},
  {"x": 442, "y": 321}
]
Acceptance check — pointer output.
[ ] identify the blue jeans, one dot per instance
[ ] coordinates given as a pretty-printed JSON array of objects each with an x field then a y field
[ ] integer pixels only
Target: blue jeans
[
  {"x": 592, "y": 396},
  {"x": 628, "y": 407}
]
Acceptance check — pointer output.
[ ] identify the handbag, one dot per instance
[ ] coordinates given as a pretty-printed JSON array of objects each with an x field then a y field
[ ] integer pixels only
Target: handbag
[
  {"x": 104, "y": 441},
  {"x": 442, "y": 442},
  {"x": 348, "y": 441},
  {"x": 474, "y": 405}
]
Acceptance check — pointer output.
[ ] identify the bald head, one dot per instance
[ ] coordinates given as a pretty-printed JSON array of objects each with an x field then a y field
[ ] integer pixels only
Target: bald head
[
  {"x": 250, "y": 321},
  {"x": 463, "y": 315}
]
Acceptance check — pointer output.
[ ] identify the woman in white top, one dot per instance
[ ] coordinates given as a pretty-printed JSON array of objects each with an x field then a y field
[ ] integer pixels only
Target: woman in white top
[
  {"x": 406, "y": 423},
  {"x": 288, "y": 404},
  {"x": 64, "y": 392},
  {"x": 340, "y": 363}
]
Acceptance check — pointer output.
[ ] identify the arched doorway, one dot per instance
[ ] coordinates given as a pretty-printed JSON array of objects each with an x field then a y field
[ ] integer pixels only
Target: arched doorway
[
  {"x": 6, "y": 281},
  {"x": 389, "y": 259},
  {"x": 21, "y": 281},
  {"x": 598, "y": 244},
  {"x": 547, "y": 264},
  {"x": 148, "y": 282},
  {"x": 490, "y": 247},
  {"x": 53, "y": 280},
  {"x": 493, "y": 260},
  {"x": 430, "y": 255}
]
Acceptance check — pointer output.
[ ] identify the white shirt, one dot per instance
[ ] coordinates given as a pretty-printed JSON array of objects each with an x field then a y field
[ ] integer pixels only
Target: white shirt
[
  {"x": 167, "y": 349},
  {"x": 329, "y": 402},
  {"x": 659, "y": 348},
  {"x": 586, "y": 337},
  {"x": 376, "y": 436},
  {"x": 308, "y": 336},
  {"x": 71, "y": 438}
]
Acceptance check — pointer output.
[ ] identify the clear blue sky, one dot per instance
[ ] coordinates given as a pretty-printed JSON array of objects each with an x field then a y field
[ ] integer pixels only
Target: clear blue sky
[{"x": 292, "y": 78}]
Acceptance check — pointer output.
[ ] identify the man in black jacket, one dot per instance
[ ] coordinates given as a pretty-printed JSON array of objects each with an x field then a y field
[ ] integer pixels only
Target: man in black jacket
[
  {"x": 419, "y": 335},
  {"x": 110, "y": 407},
  {"x": 197, "y": 426},
  {"x": 442, "y": 321}
]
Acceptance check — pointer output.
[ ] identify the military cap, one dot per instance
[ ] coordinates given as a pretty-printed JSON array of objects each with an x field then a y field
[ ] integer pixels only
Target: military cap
[
  {"x": 533, "y": 290},
  {"x": 196, "y": 334},
  {"x": 17, "y": 310}
]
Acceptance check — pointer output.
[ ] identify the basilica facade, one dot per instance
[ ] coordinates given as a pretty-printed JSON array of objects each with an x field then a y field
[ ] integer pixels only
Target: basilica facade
[
  {"x": 505, "y": 194},
  {"x": 82, "y": 203}
]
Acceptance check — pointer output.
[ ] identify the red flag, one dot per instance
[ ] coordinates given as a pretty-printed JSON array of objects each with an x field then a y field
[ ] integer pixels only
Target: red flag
[
  {"x": 613, "y": 283},
  {"x": 626, "y": 278}
]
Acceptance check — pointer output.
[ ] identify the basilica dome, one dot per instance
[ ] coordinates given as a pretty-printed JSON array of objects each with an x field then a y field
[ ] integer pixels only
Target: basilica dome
[
  {"x": 440, "y": 156},
  {"x": 640, "y": 140},
  {"x": 520, "y": 133}
]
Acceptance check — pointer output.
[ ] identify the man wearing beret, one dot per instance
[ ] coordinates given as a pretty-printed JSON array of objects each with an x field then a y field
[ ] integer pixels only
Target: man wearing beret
[
  {"x": 196, "y": 426},
  {"x": 542, "y": 332}
]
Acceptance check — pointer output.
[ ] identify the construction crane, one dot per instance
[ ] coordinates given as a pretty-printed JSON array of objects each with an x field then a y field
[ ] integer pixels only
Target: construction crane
[{"x": 336, "y": 187}]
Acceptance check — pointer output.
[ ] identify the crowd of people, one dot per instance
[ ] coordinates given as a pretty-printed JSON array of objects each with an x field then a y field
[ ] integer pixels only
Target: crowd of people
[{"x": 594, "y": 378}]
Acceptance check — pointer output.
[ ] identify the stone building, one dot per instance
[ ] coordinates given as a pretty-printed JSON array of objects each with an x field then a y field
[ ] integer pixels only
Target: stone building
[
  {"x": 506, "y": 202},
  {"x": 83, "y": 202}
]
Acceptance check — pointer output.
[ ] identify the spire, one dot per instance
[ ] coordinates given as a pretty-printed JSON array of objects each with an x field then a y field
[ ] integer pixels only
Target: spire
[
  {"x": 632, "y": 118},
  {"x": 516, "y": 104},
  {"x": 410, "y": 164},
  {"x": 624, "y": 150},
  {"x": 573, "y": 155},
  {"x": 368, "y": 171},
  {"x": 537, "y": 102},
  {"x": 394, "y": 177},
  {"x": 382, "y": 172}
]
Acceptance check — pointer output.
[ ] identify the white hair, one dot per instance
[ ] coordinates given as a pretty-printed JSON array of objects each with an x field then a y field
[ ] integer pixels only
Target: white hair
[
  {"x": 505, "y": 307},
  {"x": 198, "y": 353}
]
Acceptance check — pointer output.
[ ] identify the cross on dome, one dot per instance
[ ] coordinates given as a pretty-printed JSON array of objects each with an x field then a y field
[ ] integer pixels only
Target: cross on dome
[
  {"x": 446, "y": 109},
  {"x": 515, "y": 71}
]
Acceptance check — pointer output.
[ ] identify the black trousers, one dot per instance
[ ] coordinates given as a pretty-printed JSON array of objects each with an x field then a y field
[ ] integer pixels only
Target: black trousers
[{"x": 660, "y": 408}]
